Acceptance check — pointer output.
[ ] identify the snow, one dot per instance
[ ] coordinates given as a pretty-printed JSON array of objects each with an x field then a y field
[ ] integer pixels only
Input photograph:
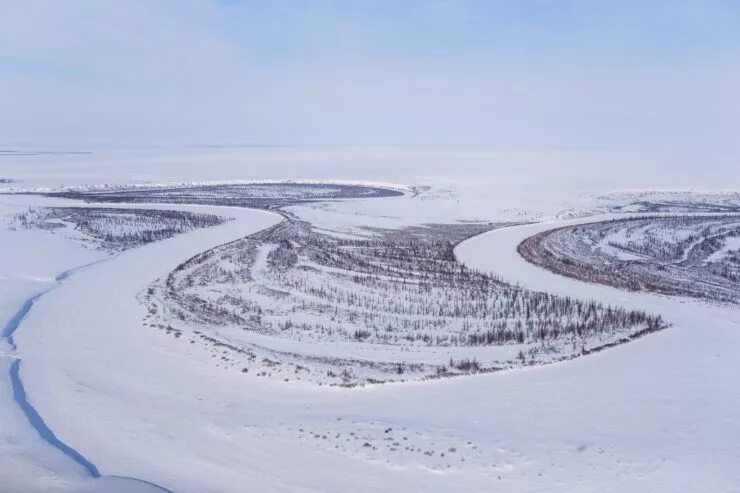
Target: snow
[
  {"x": 731, "y": 244},
  {"x": 668, "y": 400},
  {"x": 31, "y": 260},
  {"x": 655, "y": 415}
]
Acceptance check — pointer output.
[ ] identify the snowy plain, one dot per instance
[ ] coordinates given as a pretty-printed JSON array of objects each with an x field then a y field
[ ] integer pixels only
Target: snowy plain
[{"x": 657, "y": 414}]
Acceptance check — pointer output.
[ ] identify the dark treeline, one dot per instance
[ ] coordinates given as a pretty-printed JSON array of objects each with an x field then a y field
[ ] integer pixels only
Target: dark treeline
[
  {"x": 730, "y": 203},
  {"x": 120, "y": 229},
  {"x": 396, "y": 287},
  {"x": 686, "y": 255},
  {"x": 253, "y": 195}
]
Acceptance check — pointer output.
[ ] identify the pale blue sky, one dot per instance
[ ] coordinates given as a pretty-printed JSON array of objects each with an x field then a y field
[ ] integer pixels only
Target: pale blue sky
[{"x": 621, "y": 74}]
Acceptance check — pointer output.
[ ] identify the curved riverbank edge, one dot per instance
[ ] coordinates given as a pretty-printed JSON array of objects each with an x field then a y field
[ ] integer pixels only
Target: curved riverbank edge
[{"x": 20, "y": 395}]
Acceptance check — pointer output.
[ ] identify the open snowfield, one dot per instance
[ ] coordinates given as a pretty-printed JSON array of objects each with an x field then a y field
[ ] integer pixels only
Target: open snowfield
[
  {"x": 369, "y": 246},
  {"x": 670, "y": 395},
  {"x": 654, "y": 414}
]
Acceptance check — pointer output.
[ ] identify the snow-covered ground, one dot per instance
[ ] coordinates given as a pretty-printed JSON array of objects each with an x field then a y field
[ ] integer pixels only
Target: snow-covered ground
[
  {"x": 667, "y": 401},
  {"x": 656, "y": 414}
]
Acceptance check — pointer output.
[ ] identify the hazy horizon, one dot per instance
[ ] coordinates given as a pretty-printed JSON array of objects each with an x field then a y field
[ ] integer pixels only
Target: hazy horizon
[{"x": 626, "y": 76}]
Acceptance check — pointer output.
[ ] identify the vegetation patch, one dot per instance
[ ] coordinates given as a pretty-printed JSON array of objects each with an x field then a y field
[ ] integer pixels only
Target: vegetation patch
[{"x": 688, "y": 255}]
